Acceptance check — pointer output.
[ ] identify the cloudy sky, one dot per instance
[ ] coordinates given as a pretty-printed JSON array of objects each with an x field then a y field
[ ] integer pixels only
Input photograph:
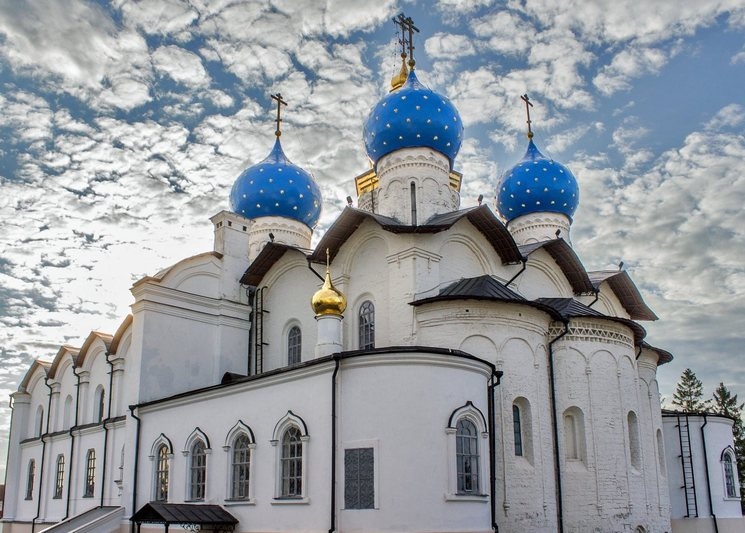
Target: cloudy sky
[{"x": 123, "y": 125}]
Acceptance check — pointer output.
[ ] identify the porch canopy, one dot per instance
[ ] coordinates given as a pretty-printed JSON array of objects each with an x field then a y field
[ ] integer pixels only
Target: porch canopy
[{"x": 193, "y": 517}]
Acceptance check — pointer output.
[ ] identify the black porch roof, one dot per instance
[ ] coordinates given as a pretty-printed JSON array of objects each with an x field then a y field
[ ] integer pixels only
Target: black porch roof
[{"x": 183, "y": 513}]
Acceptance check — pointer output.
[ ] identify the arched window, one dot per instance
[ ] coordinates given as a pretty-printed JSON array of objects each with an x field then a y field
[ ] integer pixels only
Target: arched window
[
  {"x": 467, "y": 455},
  {"x": 198, "y": 471},
  {"x": 99, "y": 404},
  {"x": 292, "y": 464},
  {"x": 240, "y": 470},
  {"x": 729, "y": 474},
  {"x": 30, "y": 473},
  {"x": 634, "y": 443},
  {"x": 39, "y": 422},
  {"x": 90, "y": 473},
  {"x": 367, "y": 325},
  {"x": 574, "y": 434},
  {"x": 59, "y": 479},
  {"x": 517, "y": 430},
  {"x": 294, "y": 345},
  {"x": 67, "y": 417},
  {"x": 161, "y": 474}
]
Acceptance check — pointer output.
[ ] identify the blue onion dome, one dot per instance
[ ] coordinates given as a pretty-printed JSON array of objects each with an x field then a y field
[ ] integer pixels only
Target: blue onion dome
[
  {"x": 276, "y": 187},
  {"x": 537, "y": 184},
  {"x": 412, "y": 117}
]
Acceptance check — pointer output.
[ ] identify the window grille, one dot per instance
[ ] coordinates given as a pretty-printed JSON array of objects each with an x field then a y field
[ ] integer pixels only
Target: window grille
[
  {"x": 59, "y": 480},
  {"x": 367, "y": 325},
  {"x": 729, "y": 476},
  {"x": 294, "y": 345},
  {"x": 517, "y": 430},
  {"x": 90, "y": 473},
  {"x": 161, "y": 474},
  {"x": 292, "y": 464},
  {"x": 198, "y": 471},
  {"x": 467, "y": 452},
  {"x": 359, "y": 478},
  {"x": 241, "y": 468}
]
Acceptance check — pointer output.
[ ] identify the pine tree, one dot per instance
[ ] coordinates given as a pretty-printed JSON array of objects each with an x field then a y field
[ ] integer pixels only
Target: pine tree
[
  {"x": 689, "y": 393},
  {"x": 726, "y": 404}
]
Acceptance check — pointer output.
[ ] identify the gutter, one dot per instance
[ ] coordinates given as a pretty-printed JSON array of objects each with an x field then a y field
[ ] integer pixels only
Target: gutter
[
  {"x": 136, "y": 464},
  {"x": 105, "y": 427},
  {"x": 43, "y": 451},
  {"x": 555, "y": 427},
  {"x": 492, "y": 446},
  {"x": 525, "y": 265},
  {"x": 337, "y": 361},
  {"x": 706, "y": 468}
]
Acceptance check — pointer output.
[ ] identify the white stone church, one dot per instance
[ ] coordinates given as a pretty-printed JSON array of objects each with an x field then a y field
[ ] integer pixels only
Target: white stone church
[{"x": 425, "y": 368}]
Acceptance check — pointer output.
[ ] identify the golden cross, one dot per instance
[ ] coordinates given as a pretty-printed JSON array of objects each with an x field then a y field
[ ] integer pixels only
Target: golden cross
[
  {"x": 328, "y": 260},
  {"x": 280, "y": 103},
  {"x": 528, "y": 105}
]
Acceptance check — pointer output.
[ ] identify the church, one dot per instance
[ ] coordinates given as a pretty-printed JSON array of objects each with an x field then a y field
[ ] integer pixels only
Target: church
[{"x": 424, "y": 368}]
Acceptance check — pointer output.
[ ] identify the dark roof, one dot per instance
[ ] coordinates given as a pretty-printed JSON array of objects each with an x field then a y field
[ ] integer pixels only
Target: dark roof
[
  {"x": 571, "y": 308},
  {"x": 663, "y": 356},
  {"x": 183, "y": 514},
  {"x": 270, "y": 254},
  {"x": 568, "y": 262},
  {"x": 481, "y": 217},
  {"x": 623, "y": 287}
]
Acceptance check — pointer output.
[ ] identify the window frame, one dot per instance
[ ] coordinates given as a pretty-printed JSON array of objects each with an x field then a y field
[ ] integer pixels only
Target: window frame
[
  {"x": 59, "y": 477},
  {"x": 162, "y": 453},
  {"x": 197, "y": 484},
  {"x": 282, "y": 463},
  {"x": 366, "y": 325},
  {"x": 468, "y": 412},
  {"x": 579, "y": 448},
  {"x": 30, "y": 479},
  {"x": 294, "y": 349},
  {"x": 517, "y": 430},
  {"x": 728, "y": 457},
  {"x": 89, "y": 488},
  {"x": 236, "y": 432}
]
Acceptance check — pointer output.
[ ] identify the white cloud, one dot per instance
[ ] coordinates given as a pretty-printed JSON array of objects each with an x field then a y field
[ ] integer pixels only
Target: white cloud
[{"x": 181, "y": 65}]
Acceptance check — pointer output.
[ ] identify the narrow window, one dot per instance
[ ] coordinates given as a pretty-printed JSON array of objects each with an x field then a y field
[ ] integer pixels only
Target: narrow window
[
  {"x": 59, "y": 480},
  {"x": 367, "y": 325},
  {"x": 634, "y": 443},
  {"x": 161, "y": 474},
  {"x": 517, "y": 430},
  {"x": 67, "y": 417},
  {"x": 39, "y": 426},
  {"x": 90, "y": 473},
  {"x": 294, "y": 345},
  {"x": 729, "y": 476},
  {"x": 359, "y": 478},
  {"x": 100, "y": 401},
  {"x": 292, "y": 464},
  {"x": 198, "y": 471},
  {"x": 30, "y": 479},
  {"x": 571, "y": 440},
  {"x": 661, "y": 452},
  {"x": 467, "y": 455},
  {"x": 413, "y": 204},
  {"x": 240, "y": 468}
]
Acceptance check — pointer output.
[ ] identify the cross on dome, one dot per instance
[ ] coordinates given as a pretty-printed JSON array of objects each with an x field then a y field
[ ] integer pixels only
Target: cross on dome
[
  {"x": 280, "y": 103},
  {"x": 407, "y": 26},
  {"x": 528, "y": 105}
]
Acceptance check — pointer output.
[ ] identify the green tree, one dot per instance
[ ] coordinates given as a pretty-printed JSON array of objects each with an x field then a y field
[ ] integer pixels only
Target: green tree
[
  {"x": 689, "y": 393},
  {"x": 725, "y": 403}
]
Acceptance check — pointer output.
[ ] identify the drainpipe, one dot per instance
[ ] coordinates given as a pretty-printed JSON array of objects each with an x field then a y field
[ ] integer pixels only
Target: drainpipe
[
  {"x": 43, "y": 451},
  {"x": 72, "y": 441},
  {"x": 597, "y": 296},
  {"x": 492, "y": 446},
  {"x": 105, "y": 427},
  {"x": 708, "y": 480},
  {"x": 315, "y": 272},
  {"x": 525, "y": 265},
  {"x": 555, "y": 427},
  {"x": 639, "y": 352},
  {"x": 332, "y": 528},
  {"x": 136, "y": 464}
]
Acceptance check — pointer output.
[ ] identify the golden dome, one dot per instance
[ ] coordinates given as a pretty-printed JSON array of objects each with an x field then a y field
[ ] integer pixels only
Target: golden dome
[
  {"x": 327, "y": 300},
  {"x": 399, "y": 79}
]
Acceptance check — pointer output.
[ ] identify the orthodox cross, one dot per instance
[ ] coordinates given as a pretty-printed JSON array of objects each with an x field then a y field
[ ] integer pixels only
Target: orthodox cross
[
  {"x": 528, "y": 105},
  {"x": 407, "y": 26},
  {"x": 280, "y": 103},
  {"x": 328, "y": 260}
]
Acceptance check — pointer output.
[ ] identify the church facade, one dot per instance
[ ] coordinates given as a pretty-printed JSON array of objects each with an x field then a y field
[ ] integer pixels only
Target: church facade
[{"x": 424, "y": 368}]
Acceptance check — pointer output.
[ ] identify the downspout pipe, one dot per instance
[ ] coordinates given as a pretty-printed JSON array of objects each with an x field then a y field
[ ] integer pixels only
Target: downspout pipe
[
  {"x": 72, "y": 442},
  {"x": 597, "y": 296},
  {"x": 525, "y": 265},
  {"x": 555, "y": 427},
  {"x": 106, "y": 428},
  {"x": 43, "y": 452},
  {"x": 706, "y": 469},
  {"x": 494, "y": 381},
  {"x": 132, "y": 409},
  {"x": 315, "y": 271},
  {"x": 337, "y": 361}
]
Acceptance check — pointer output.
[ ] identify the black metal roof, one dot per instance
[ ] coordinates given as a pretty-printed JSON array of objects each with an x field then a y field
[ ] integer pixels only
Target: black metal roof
[
  {"x": 184, "y": 514},
  {"x": 570, "y": 308},
  {"x": 270, "y": 254},
  {"x": 481, "y": 217},
  {"x": 623, "y": 287},
  {"x": 663, "y": 356},
  {"x": 568, "y": 262}
]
